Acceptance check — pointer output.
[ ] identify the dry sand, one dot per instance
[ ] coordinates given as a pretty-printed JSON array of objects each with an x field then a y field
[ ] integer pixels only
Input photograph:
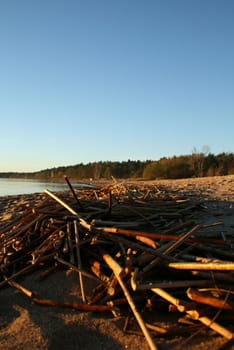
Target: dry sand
[{"x": 24, "y": 325}]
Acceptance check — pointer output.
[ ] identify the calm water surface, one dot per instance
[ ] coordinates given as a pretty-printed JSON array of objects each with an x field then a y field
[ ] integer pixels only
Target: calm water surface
[{"x": 26, "y": 186}]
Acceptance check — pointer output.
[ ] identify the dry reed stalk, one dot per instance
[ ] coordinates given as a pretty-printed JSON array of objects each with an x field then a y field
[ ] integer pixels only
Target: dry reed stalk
[
  {"x": 172, "y": 284},
  {"x": 226, "y": 277},
  {"x": 136, "y": 246},
  {"x": 77, "y": 239},
  {"x": 72, "y": 191},
  {"x": 72, "y": 211},
  {"x": 72, "y": 267},
  {"x": 16, "y": 233},
  {"x": 169, "y": 249},
  {"x": 17, "y": 274},
  {"x": 117, "y": 269},
  {"x": 211, "y": 266},
  {"x": 194, "y": 314}
]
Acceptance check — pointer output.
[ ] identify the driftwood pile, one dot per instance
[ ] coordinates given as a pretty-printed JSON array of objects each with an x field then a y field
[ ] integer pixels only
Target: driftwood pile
[{"x": 140, "y": 245}]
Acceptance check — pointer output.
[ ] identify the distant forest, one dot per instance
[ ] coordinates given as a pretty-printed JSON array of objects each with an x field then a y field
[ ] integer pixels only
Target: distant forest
[{"x": 197, "y": 164}]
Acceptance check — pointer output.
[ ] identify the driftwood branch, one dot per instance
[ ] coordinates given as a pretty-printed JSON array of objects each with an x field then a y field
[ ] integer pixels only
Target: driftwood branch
[
  {"x": 210, "y": 300},
  {"x": 66, "y": 304}
]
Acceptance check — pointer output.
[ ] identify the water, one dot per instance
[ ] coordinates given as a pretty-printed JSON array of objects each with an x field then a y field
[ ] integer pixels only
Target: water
[{"x": 26, "y": 186}]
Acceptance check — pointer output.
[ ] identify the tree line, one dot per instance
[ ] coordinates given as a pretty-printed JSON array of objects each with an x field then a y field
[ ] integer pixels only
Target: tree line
[{"x": 197, "y": 164}]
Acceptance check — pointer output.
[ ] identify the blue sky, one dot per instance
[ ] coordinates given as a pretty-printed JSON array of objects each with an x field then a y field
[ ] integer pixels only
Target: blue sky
[{"x": 96, "y": 80}]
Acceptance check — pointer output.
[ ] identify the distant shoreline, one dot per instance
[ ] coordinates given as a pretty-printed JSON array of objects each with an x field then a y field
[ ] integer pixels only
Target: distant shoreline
[{"x": 220, "y": 188}]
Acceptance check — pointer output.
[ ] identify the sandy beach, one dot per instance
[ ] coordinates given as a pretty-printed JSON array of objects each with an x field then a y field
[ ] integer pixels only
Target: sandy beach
[{"x": 24, "y": 325}]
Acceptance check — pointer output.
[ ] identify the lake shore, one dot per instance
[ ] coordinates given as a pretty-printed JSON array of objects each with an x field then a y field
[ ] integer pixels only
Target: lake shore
[
  {"x": 24, "y": 325},
  {"x": 215, "y": 188}
]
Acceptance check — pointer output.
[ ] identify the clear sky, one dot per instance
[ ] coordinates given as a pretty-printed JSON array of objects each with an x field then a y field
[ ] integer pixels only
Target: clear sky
[{"x": 96, "y": 80}]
